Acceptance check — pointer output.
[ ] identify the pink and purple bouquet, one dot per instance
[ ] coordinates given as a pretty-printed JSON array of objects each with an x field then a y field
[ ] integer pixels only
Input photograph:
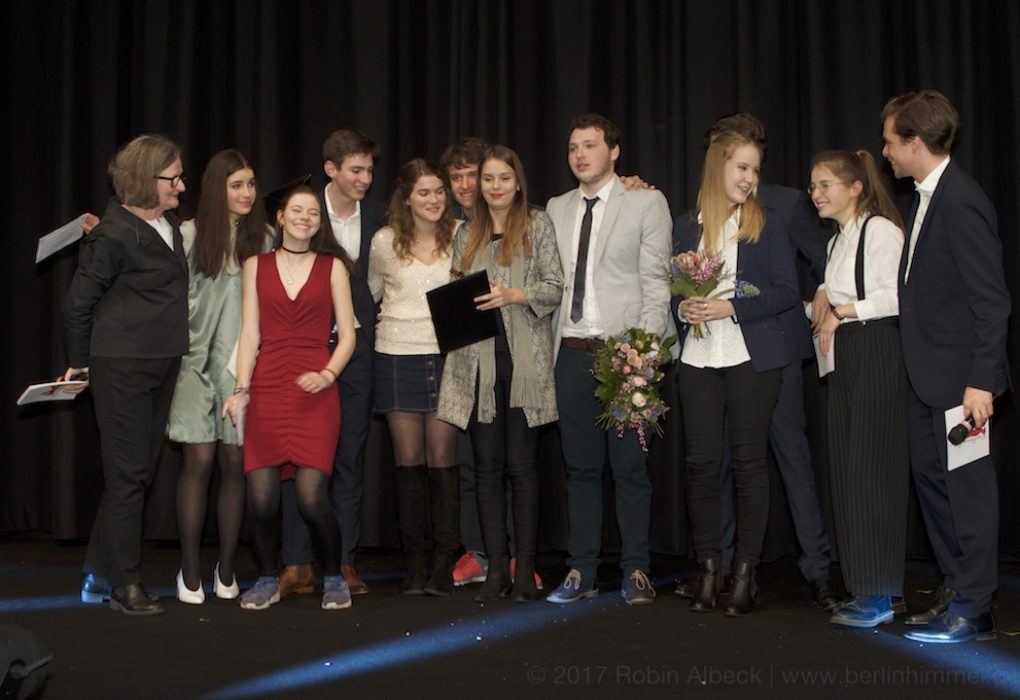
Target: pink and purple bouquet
[
  {"x": 628, "y": 368},
  {"x": 695, "y": 274}
]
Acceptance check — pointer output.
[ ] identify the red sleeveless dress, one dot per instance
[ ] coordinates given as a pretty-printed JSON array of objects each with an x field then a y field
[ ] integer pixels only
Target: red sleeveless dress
[{"x": 286, "y": 426}]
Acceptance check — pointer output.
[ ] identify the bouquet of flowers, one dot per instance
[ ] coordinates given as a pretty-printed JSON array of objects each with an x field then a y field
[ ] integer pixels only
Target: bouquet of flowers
[
  {"x": 695, "y": 274},
  {"x": 628, "y": 368}
]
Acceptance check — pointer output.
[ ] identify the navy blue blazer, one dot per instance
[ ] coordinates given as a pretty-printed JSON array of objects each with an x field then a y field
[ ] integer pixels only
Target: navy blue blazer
[
  {"x": 955, "y": 305},
  {"x": 768, "y": 265},
  {"x": 372, "y": 216}
]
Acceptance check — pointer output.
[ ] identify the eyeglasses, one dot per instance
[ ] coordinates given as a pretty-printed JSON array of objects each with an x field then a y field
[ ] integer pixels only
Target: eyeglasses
[
  {"x": 823, "y": 186},
  {"x": 174, "y": 181}
]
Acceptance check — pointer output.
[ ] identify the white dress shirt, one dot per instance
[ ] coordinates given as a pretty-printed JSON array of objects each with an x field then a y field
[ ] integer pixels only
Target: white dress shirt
[
  {"x": 590, "y": 324},
  {"x": 723, "y": 344},
  {"x": 925, "y": 188},
  {"x": 346, "y": 231},
  {"x": 883, "y": 247}
]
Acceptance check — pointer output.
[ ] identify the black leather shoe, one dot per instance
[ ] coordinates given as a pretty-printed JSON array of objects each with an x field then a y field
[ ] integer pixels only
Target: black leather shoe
[
  {"x": 825, "y": 597},
  {"x": 133, "y": 600},
  {"x": 709, "y": 583},
  {"x": 943, "y": 599},
  {"x": 686, "y": 588},
  {"x": 948, "y": 628}
]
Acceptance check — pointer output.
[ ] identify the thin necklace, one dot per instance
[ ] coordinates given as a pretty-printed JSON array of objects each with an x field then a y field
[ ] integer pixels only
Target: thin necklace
[{"x": 290, "y": 273}]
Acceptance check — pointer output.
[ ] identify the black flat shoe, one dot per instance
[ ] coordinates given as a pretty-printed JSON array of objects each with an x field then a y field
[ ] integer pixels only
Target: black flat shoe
[
  {"x": 948, "y": 628},
  {"x": 825, "y": 597},
  {"x": 133, "y": 600},
  {"x": 940, "y": 605}
]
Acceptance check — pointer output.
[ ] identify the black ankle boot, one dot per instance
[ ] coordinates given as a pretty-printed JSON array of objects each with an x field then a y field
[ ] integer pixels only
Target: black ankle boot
[
  {"x": 709, "y": 583},
  {"x": 740, "y": 601},
  {"x": 410, "y": 482},
  {"x": 444, "y": 496},
  {"x": 524, "y": 590},
  {"x": 497, "y": 581}
]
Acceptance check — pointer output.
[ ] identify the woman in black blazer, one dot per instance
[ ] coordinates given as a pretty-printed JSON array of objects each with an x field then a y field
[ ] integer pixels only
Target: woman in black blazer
[
  {"x": 733, "y": 372},
  {"x": 126, "y": 320}
]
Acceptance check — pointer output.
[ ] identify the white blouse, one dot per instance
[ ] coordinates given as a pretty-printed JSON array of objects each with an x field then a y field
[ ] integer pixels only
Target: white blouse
[
  {"x": 405, "y": 323},
  {"x": 883, "y": 246},
  {"x": 723, "y": 344}
]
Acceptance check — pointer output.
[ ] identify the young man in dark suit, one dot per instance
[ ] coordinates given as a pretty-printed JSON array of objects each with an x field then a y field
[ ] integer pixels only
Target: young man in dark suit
[
  {"x": 348, "y": 161},
  {"x": 954, "y": 308}
]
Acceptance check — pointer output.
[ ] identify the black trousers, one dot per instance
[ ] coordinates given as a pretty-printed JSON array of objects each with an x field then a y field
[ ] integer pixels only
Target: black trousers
[
  {"x": 869, "y": 469},
  {"x": 960, "y": 508},
  {"x": 506, "y": 449},
  {"x": 132, "y": 399},
  {"x": 746, "y": 398}
]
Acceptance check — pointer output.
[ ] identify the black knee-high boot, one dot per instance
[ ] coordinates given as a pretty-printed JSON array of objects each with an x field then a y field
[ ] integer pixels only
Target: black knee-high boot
[
  {"x": 444, "y": 496},
  {"x": 411, "y": 517}
]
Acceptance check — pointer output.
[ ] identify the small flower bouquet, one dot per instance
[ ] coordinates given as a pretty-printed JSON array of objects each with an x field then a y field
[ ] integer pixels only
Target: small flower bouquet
[
  {"x": 628, "y": 368},
  {"x": 695, "y": 274}
]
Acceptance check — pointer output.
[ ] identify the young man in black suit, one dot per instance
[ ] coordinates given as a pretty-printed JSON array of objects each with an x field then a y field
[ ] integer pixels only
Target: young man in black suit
[{"x": 954, "y": 308}]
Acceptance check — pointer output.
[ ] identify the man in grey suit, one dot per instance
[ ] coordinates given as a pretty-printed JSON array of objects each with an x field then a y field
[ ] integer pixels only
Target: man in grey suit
[{"x": 613, "y": 246}]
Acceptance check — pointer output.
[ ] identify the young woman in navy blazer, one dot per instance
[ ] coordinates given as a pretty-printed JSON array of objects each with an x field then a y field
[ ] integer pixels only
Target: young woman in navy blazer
[{"x": 733, "y": 373}]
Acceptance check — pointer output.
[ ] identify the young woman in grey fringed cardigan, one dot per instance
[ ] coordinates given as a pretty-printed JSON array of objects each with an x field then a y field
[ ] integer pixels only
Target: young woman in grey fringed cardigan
[{"x": 502, "y": 389}]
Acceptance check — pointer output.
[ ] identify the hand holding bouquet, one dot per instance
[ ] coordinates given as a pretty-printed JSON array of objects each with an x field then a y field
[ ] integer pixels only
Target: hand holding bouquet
[
  {"x": 628, "y": 368},
  {"x": 695, "y": 274}
]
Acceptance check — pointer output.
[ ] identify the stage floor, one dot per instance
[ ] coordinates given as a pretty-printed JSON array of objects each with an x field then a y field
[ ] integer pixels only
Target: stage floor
[{"x": 391, "y": 646}]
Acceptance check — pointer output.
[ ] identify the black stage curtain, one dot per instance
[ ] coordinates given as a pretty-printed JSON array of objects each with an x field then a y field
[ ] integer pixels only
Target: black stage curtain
[{"x": 274, "y": 78}]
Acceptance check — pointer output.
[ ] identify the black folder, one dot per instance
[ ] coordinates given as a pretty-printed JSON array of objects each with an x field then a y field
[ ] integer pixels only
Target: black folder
[{"x": 454, "y": 316}]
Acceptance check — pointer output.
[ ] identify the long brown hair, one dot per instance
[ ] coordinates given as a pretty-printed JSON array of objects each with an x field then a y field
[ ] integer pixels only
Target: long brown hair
[
  {"x": 859, "y": 166},
  {"x": 212, "y": 220},
  {"x": 712, "y": 202},
  {"x": 515, "y": 237},
  {"x": 322, "y": 242},
  {"x": 399, "y": 214}
]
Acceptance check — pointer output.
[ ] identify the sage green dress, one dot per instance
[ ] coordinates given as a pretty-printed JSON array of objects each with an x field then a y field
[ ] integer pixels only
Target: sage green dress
[{"x": 204, "y": 381}]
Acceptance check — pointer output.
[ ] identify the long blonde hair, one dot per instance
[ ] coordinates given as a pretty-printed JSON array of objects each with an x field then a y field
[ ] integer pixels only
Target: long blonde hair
[{"x": 712, "y": 202}]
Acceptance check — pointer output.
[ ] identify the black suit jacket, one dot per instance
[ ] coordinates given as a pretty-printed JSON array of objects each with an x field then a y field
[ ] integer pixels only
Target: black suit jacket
[
  {"x": 954, "y": 306},
  {"x": 129, "y": 295},
  {"x": 768, "y": 265},
  {"x": 372, "y": 216}
]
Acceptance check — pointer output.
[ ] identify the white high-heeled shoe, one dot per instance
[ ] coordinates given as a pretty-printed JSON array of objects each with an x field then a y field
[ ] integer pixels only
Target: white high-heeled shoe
[
  {"x": 186, "y": 595},
  {"x": 225, "y": 592}
]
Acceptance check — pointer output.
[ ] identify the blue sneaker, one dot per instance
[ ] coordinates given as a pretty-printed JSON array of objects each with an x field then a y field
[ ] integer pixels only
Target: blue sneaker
[
  {"x": 637, "y": 589},
  {"x": 264, "y": 593},
  {"x": 337, "y": 595},
  {"x": 864, "y": 611},
  {"x": 573, "y": 588}
]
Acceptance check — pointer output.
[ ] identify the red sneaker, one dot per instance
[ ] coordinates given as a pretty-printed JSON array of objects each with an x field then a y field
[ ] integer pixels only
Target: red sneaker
[{"x": 472, "y": 567}]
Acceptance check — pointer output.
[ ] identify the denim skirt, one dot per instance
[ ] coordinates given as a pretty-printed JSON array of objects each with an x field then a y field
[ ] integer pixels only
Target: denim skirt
[{"x": 407, "y": 382}]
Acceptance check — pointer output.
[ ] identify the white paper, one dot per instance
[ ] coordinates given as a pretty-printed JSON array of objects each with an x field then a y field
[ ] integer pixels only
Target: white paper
[
  {"x": 49, "y": 391},
  {"x": 826, "y": 363},
  {"x": 59, "y": 238},
  {"x": 977, "y": 445}
]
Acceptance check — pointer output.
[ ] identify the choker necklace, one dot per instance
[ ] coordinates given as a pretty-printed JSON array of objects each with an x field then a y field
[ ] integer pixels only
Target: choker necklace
[{"x": 295, "y": 252}]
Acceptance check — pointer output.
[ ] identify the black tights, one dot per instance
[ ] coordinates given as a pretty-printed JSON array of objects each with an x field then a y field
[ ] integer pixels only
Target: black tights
[
  {"x": 310, "y": 485},
  {"x": 192, "y": 498},
  {"x": 421, "y": 438}
]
